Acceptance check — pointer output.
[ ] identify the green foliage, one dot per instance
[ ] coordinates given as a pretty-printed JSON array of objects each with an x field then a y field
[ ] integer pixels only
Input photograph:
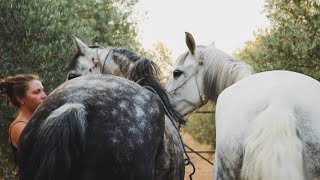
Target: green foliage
[
  {"x": 202, "y": 125},
  {"x": 293, "y": 40},
  {"x": 35, "y": 38},
  {"x": 7, "y": 168},
  {"x": 161, "y": 55}
]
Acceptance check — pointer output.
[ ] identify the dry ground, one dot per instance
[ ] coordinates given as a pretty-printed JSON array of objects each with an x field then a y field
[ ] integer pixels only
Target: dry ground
[{"x": 204, "y": 170}]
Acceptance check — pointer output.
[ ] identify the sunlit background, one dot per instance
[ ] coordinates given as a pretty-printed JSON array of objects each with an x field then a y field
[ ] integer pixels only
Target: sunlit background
[
  {"x": 228, "y": 23},
  {"x": 35, "y": 37}
]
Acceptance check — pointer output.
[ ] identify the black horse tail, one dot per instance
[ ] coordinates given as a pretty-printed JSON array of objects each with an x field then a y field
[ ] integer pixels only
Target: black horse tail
[
  {"x": 61, "y": 140},
  {"x": 146, "y": 73}
]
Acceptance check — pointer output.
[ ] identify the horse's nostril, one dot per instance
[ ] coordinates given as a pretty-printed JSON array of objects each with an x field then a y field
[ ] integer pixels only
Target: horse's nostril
[{"x": 72, "y": 76}]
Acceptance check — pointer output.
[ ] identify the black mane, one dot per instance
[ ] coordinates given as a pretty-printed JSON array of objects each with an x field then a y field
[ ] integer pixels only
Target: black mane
[
  {"x": 138, "y": 69},
  {"x": 146, "y": 73}
]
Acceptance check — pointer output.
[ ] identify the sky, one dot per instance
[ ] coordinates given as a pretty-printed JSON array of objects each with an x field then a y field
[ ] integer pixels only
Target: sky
[{"x": 227, "y": 23}]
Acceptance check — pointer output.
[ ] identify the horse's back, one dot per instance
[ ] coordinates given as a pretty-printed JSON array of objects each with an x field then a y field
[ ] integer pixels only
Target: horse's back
[
  {"x": 124, "y": 131},
  {"x": 270, "y": 112},
  {"x": 286, "y": 89}
]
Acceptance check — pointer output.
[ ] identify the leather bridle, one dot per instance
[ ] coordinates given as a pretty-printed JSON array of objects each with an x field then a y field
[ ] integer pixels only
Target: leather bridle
[
  {"x": 98, "y": 58},
  {"x": 201, "y": 95}
]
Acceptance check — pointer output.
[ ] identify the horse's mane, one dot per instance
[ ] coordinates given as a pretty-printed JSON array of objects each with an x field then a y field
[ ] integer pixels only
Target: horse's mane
[
  {"x": 145, "y": 73},
  {"x": 221, "y": 70},
  {"x": 138, "y": 69},
  {"x": 124, "y": 58}
]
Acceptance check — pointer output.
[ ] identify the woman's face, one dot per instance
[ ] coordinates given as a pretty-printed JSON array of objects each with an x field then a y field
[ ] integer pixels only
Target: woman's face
[{"x": 35, "y": 95}]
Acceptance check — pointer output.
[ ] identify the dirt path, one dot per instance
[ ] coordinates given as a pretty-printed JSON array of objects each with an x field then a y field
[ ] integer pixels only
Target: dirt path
[{"x": 204, "y": 170}]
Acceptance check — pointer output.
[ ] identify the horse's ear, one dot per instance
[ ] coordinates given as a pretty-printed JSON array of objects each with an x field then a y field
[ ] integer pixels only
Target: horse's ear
[
  {"x": 81, "y": 46},
  {"x": 190, "y": 42}
]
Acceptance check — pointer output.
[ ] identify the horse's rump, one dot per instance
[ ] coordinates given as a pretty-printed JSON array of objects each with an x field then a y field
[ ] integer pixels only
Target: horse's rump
[
  {"x": 124, "y": 130},
  {"x": 273, "y": 118}
]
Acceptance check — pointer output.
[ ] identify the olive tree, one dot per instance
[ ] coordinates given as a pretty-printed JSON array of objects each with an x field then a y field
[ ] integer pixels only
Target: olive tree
[{"x": 35, "y": 37}]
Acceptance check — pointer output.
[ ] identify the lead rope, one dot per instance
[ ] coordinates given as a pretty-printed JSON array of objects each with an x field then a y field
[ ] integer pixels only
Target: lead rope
[{"x": 187, "y": 160}]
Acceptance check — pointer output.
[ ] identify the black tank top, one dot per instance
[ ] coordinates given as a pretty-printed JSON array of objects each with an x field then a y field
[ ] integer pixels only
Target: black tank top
[{"x": 14, "y": 149}]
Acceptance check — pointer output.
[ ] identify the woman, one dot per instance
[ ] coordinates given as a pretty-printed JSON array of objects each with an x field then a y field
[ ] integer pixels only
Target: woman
[{"x": 25, "y": 91}]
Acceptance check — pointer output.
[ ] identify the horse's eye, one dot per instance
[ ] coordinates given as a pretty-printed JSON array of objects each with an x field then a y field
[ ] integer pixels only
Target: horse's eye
[{"x": 177, "y": 73}]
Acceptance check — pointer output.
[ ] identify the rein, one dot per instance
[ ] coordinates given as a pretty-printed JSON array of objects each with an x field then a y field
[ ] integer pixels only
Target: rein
[{"x": 187, "y": 160}]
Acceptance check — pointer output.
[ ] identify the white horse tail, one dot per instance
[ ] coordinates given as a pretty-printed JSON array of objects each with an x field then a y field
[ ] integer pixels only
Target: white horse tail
[
  {"x": 61, "y": 140},
  {"x": 273, "y": 150}
]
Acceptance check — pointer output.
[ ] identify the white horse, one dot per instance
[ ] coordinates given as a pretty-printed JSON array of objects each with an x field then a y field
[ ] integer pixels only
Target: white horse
[{"x": 267, "y": 124}]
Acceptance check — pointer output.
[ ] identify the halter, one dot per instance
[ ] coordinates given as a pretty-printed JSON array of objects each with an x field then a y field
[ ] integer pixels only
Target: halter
[
  {"x": 95, "y": 64},
  {"x": 105, "y": 59},
  {"x": 202, "y": 96}
]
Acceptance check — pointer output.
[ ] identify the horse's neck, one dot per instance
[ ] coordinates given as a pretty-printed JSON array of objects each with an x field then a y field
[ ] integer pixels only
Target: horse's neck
[
  {"x": 103, "y": 56},
  {"x": 221, "y": 72}
]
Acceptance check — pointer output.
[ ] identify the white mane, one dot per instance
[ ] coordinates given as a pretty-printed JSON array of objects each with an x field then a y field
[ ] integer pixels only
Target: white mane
[{"x": 221, "y": 70}]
